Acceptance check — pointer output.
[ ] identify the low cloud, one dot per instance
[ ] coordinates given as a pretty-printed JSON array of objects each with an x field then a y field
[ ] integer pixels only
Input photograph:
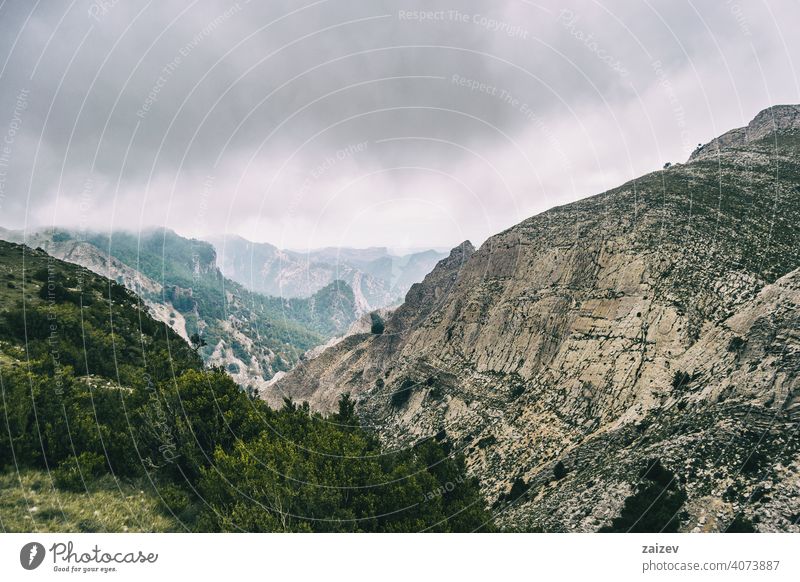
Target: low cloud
[{"x": 364, "y": 123}]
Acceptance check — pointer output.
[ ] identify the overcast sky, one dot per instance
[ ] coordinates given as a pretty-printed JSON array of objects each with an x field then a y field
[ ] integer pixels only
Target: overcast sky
[{"x": 358, "y": 123}]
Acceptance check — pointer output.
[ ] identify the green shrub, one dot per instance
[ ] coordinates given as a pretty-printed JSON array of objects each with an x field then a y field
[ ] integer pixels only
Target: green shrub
[
  {"x": 401, "y": 396},
  {"x": 518, "y": 488},
  {"x": 754, "y": 461},
  {"x": 736, "y": 344},
  {"x": 75, "y": 473},
  {"x": 680, "y": 379},
  {"x": 741, "y": 524},
  {"x": 332, "y": 477},
  {"x": 378, "y": 325},
  {"x": 436, "y": 393},
  {"x": 655, "y": 505}
]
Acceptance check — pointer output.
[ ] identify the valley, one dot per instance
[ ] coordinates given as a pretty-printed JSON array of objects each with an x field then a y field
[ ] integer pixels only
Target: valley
[{"x": 627, "y": 362}]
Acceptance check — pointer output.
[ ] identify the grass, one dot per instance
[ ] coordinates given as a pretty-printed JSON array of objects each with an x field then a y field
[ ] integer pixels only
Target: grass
[{"x": 29, "y": 502}]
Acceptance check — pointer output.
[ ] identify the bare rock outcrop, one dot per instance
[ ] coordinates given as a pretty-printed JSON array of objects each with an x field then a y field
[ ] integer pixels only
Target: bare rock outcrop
[{"x": 774, "y": 120}]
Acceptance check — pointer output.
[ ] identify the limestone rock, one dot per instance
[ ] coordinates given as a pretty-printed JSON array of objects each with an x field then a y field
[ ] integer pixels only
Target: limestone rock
[{"x": 656, "y": 320}]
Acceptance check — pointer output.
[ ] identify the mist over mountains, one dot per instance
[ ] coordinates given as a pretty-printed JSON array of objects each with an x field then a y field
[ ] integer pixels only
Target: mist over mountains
[
  {"x": 253, "y": 326},
  {"x": 378, "y": 278}
]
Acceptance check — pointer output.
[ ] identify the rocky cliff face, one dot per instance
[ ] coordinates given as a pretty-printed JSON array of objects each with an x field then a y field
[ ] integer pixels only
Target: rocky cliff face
[{"x": 654, "y": 321}]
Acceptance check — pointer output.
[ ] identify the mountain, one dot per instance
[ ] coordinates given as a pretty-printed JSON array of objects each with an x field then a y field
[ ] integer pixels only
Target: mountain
[
  {"x": 251, "y": 335},
  {"x": 377, "y": 277},
  {"x": 111, "y": 422},
  {"x": 627, "y": 362}
]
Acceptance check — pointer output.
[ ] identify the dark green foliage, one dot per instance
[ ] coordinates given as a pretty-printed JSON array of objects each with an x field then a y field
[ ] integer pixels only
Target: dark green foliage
[
  {"x": 403, "y": 393},
  {"x": 680, "y": 379},
  {"x": 178, "y": 502},
  {"x": 279, "y": 364},
  {"x": 287, "y": 484},
  {"x": 517, "y": 391},
  {"x": 55, "y": 288},
  {"x": 41, "y": 274},
  {"x": 655, "y": 506},
  {"x": 559, "y": 471},
  {"x": 486, "y": 441},
  {"x": 518, "y": 488},
  {"x": 74, "y": 473},
  {"x": 754, "y": 461},
  {"x": 436, "y": 393},
  {"x": 347, "y": 411},
  {"x": 197, "y": 341},
  {"x": 759, "y": 495},
  {"x": 378, "y": 325},
  {"x": 741, "y": 524},
  {"x": 736, "y": 344}
]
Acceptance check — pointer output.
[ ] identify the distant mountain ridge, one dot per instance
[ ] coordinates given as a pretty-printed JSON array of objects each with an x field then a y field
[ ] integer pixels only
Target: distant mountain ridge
[
  {"x": 252, "y": 336},
  {"x": 378, "y": 278}
]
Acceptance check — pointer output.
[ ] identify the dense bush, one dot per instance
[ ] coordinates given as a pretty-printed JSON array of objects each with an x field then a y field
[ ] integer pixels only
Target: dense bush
[
  {"x": 378, "y": 325},
  {"x": 741, "y": 524},
  {"x": 75, "y": 473},
  {"x": 332, "y": 476}
]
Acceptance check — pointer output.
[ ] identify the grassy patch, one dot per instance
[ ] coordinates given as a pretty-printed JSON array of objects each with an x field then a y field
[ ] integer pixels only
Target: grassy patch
[{"x": 30, "y": 502}]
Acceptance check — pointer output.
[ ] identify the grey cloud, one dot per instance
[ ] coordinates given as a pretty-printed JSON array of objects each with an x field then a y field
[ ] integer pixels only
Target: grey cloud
[{"x": 474, "y": 119}]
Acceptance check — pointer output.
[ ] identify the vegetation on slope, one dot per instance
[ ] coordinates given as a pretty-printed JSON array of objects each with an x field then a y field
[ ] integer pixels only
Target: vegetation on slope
[
  {"x": 195, "y": 286},
  {"x": 30, "y": 501},
  {"x": 96, "y": 395}
]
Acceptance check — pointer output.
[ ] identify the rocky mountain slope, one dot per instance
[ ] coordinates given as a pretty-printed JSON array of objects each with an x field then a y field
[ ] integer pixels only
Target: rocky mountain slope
[
  {"x": 607, "y": 363},
  {"x": 251, "y": 335},
  {"x": 378, "y": 278}
]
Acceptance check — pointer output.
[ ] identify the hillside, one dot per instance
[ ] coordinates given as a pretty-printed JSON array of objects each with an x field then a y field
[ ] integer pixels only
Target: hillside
[
  {"x": 628, "y": 362},
  {"x": 252, "y": 335},
  {"x": 378, "y": 278},
  {"x": 112, "y": 423}
]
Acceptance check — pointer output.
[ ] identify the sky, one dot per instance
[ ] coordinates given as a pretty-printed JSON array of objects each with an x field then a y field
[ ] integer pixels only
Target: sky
[{"x": 357, "y": 123}]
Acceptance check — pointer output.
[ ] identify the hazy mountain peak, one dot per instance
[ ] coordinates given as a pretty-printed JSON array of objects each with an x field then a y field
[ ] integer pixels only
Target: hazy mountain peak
[{"x": 378, "y": 278}]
